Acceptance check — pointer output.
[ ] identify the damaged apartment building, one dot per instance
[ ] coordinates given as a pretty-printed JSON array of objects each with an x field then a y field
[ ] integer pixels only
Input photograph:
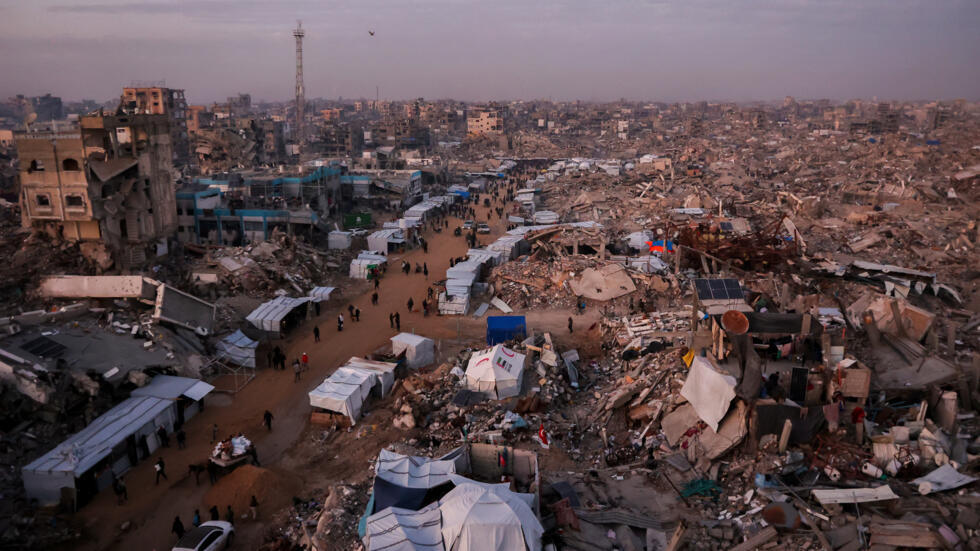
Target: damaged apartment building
[{"x": 108, "y": 185}]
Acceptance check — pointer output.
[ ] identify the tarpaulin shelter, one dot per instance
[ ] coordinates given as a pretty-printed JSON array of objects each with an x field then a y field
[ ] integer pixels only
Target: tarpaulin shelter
[
  {"x": 409, "y": 481},
  {"x": 504, "y": 328},
  {"x": 271, "y": 316},
  {"x": 345, "y": 391},
  {"x": 321, "y": 294},
  {"x": 478, "y": 516},
  {"x": 384, "y": 370},
  {"x": 85, "y": 462},
  {"x": 709, "y": 391},
  {"x": 398, "y": 529},
  {"x": 238, "y": 349},
  {"x": 419, "y": 351},
  {"x": 496, "y": 371}
]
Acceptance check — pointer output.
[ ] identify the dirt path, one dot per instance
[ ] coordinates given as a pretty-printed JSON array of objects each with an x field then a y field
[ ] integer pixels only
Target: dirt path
[{"x": 151, "y": 509}]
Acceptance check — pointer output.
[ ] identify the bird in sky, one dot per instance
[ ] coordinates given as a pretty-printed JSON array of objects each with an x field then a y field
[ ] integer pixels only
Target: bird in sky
[{"x": 371, "y": 33}]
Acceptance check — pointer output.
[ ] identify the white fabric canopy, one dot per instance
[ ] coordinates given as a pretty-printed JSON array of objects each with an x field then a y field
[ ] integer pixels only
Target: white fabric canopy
[
  {"x": 319, "y": 294},
  {"x": 419, "y": 351},
  {"x": 384, "y": 370},
  {"x": 413, "y": 472},
  {"x": 269, "y": 314},
  {"x": 496, "y": 371},
  {"x": 397, "y": 529},
  {"x": 344, "y": 391},
  {"x": 478, "y": 517}
]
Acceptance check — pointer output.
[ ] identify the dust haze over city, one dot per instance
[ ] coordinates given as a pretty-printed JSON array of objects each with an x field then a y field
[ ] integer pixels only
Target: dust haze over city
[{"x": 449, "y": 275}]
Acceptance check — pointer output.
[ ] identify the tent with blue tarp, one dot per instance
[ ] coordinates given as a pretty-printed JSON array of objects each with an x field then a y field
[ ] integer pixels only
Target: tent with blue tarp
[{"x": 504, "y": 328}]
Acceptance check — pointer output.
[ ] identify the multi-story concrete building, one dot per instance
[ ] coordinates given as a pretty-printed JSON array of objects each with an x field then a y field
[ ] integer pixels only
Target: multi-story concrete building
[
  {"x": 108, "y": 184},
  {"x": 481, "y": 122},
  {"x": 162, "y": 101}
]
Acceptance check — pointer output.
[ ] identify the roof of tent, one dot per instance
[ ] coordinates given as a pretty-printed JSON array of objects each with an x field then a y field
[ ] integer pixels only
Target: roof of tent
[
  {"x": 319, "y": 294},
  {"x": 384, "y": 370},
  {"x": 410, "y": 339},
  {"x": 238, "y": 348},
  {"x": 495, "y": 364},
  {"x": 82, "y": 450},
  {"x": 167, "y": 387},
  {"x": 483, "y": 516},
  {"x": 397, "y": 529},
  {"x": 413, "y": 472},
  {"x": 344, "y": 391},
  {"x": 268, "y": 315}
]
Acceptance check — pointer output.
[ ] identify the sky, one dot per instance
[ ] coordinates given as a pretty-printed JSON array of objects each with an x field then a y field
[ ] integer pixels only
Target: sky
[{"x": 592, "y": 50}]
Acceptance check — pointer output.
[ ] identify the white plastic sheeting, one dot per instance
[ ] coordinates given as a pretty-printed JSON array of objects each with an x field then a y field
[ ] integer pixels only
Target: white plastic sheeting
[
  {"x": 344, "y": 391},
  {"x": 267, "y": 316},
  {"x": 384, "y": 370},
  {"x": 320, "y": 294},
  {"x": 413, "y": 472},
  {"x": 397, "y": 529},
  {"x": 496, "y": 371},
  {"x": 477, "y": 517},
  {"x": 419, "y": 351},
  {"x": 709, "y": 391}
]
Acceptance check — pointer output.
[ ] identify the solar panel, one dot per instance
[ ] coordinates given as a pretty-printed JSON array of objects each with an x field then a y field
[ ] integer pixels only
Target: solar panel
[
  {"x": 43, "y": 347},
  {"x": 719, "y": 289}
]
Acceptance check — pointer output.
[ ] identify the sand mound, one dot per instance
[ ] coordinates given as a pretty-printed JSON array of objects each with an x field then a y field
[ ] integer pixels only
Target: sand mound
[{"x": 237, "y": 488}]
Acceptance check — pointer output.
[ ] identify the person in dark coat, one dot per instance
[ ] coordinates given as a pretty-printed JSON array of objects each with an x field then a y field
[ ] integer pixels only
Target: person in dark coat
[
  {"x": 316, "y": 334},
  {"x": 391, "y": 320},
  {"x": 215, "y": 515},
  {"x": 177, "y": 528},
  {"x": 398, "y": 322}
]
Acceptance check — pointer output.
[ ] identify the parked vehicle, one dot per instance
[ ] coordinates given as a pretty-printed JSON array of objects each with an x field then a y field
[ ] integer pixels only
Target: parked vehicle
[{"x": 209, "y": 536}]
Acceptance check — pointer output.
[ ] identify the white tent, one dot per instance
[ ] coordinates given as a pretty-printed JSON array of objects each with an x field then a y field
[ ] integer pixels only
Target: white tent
[
  {"x": 397, "y": 529},
  {"x": 496, "y": 371},
  {"x": 269, "y": 314},
  {"x": 384, "y": 370},
  {"x": 344, "y": 391},
  {"x": 320, "y": 294},
  {"x": 414, "y": 472},
  {"x": 477, "y": 517},
  {"x": 419, "y": 351}
]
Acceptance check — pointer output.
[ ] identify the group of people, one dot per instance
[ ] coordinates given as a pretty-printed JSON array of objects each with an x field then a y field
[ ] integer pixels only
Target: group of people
[{"x": 178, "y": 529}]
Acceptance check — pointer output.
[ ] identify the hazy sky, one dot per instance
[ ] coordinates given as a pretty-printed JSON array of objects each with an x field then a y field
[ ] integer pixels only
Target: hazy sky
[{"x": 497, "y": 49}]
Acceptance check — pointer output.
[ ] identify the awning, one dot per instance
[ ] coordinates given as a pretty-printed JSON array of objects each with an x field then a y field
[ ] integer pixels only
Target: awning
[
  {"x": 198, "y": 391},
  {"x": 320, "y": 294},
  {"x": 269, "y": 314}
]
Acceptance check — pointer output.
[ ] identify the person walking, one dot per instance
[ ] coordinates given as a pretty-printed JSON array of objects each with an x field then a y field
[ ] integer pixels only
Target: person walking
[
  {"x": 391, "y": 320},
  {"x": 411, "y": 303},
  {"x": 374, "y": 298},
  {"x": 161, "y": 468},
  {"x": 398, "y": 322},
  {"x": 306, "y": 361},
  {"x": 296, "y": 371},
  {"x": 569, "y": 324},
  {"x": 267, "y": 420},
  {"x": 119, "y": 487},
  {"x": 177, "y": 528},
  {"x": 278, "y": 353},
  {"x": 214, "y": 433},
  {"x": 230, "y": 515},
  {"x": 425, "y": 270},
  {"x": 357, "y": 314},
  {"x": 430, "y": 292},
  {"x": 316, "y": 334},
  {"x": 212, "y": 473},
  {"x": 340, "y": 322},
  {"x": 181, "y": 439},
  {"x": 425, "y": 247},
  {"x": 377, "y": 283},
  {"x": 350, "y": 310},
  {"x": 196, "y": 519},
  {"x": 213, "y": 511},
  {"x": 253, "y": 507}
]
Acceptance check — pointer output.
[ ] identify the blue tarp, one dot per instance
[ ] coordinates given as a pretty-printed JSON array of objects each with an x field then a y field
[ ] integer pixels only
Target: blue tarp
[
  {"x": 463, "y": 194},
  {"x": 504, "y": 328}
]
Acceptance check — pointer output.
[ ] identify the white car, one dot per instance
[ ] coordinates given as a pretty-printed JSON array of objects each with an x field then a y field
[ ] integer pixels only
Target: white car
[
  {"x": 209, "y": 536},
  {"x": 468, "y": 225},
  {"x": 482, "y": 228}
]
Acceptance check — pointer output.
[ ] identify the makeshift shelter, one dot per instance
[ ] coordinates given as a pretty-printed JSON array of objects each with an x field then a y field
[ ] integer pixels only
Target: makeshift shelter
[
  {"x": 488, "y": 516},
  {"x": 496, "y": 371},
  {"x": 411, "y": 482},
  {"x": 384, "y": 370},
  {"x": 345, "y": 391},
  {"x": 85, "y": 463},
  {"x": 504, "y": 328},
  {"x": 419, "y": 351},
  {"x": 397, "y": 529},
  {"x": 321, "y": 294},
  {"x": 277, "y": 315},
  {"x": 238, "y": 349},
  {"x": 709, "y": 391}
]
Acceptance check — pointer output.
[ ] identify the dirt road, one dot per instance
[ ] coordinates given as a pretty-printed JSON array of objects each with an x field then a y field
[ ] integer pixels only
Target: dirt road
[{"x": 151, "y": 509}]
